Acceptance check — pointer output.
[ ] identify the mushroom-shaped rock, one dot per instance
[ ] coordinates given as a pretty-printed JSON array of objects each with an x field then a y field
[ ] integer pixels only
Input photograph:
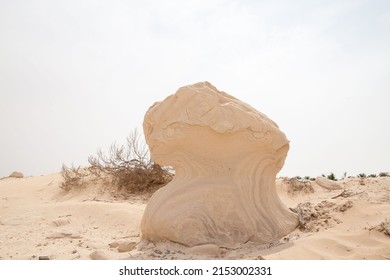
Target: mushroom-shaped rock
[{"x": 226, "y": 156}]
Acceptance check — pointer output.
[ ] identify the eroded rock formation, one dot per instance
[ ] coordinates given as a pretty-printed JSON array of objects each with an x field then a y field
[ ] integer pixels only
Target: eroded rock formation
[
  {"x": 226, "y": 156},
  {"x": 327, "y": 184}
]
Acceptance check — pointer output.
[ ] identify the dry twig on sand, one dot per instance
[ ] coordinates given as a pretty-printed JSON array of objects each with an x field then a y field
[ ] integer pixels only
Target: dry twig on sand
[
  {"x": 384, "y": 227},
  {"x": 346, "y": 193}
]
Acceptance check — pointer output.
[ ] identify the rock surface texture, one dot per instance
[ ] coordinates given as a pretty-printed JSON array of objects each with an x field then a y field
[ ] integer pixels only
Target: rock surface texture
[{"x": 226, "y": 156}]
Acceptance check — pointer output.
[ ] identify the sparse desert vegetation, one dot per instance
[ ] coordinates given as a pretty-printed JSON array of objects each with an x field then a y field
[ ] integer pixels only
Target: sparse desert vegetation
[
  {"x": 73, "y": 177},
  {"x": 332, "y": 177},
  {"x": 127, "y": 167},
  {"x": 362, "y": 175}
]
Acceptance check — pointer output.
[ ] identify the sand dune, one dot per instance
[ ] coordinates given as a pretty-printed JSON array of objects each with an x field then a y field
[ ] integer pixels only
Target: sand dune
[{"x": 38, "y": 219}]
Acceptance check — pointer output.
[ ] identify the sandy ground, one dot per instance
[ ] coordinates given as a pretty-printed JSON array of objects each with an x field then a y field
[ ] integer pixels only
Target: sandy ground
[{"x": 38, "y": 219}]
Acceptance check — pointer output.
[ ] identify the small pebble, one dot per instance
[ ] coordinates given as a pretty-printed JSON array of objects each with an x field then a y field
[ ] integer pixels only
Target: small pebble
[
  {"x": 98, "y": 255},
  {"x": 126, "y": 246}
]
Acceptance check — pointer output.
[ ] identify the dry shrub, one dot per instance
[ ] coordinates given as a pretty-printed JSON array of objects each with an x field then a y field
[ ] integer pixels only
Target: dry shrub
[
  {"x": 73, "y": 177},
  {"x": 296, "y": 185},
  {"x": 384, "y": 227},
  {"x": 128, "y": 167}
]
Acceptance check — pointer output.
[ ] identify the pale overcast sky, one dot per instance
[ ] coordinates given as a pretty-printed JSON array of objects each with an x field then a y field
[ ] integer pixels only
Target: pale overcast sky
[{"x": 77, "y": 75}]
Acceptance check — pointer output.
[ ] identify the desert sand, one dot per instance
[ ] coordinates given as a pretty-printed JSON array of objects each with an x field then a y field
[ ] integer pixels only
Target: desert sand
[{"x": 39, "y": 219}]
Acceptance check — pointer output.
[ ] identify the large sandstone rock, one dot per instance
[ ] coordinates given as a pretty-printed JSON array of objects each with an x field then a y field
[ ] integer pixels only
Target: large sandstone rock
[{"x": 226, "y": 156}]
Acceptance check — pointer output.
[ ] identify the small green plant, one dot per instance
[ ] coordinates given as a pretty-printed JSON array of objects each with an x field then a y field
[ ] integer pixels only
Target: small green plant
[
  {"x": 384, "y": 174},
  {"x": 362, "y": 175},
  {"x": 306, "y": 177},
  {"x": 332, "y": 177},
  {"x": 372, "y": 176}
]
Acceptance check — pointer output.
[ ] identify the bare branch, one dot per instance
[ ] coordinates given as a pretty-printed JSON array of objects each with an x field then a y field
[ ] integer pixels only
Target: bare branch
[{"x": 129, "y": 167}]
